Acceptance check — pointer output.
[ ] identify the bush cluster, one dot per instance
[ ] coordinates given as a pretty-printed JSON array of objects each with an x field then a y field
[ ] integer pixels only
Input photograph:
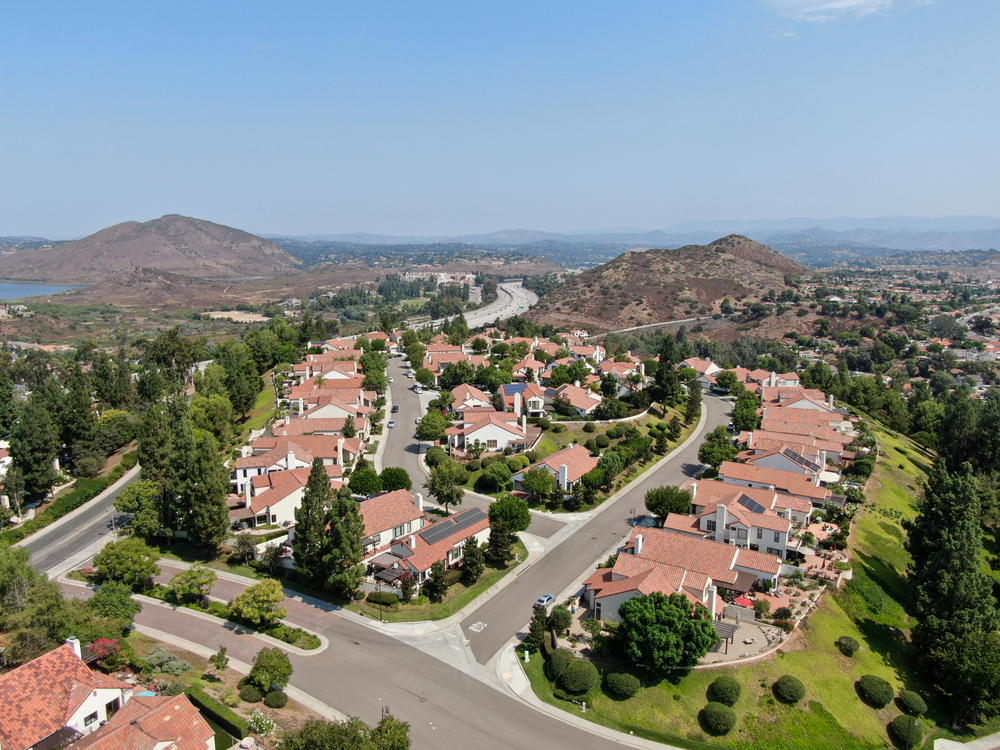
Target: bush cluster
[
  {"x": 724, "y": 690},
  {"x": 622, "y": 684},
  {"x": 543, "y": 423},
  {"x": 163, "y": 661},
  {"x": 251, "y": 693},
  {"x": 559, "y": 660},
  {"x": 911, "y": 703},
  {"x": 602, "y": 441},
  {"x": 579, "y": 677},
  {"x": 906, "y": 730},
  {"x": 276, "y": 699},
  {"x": 847, "y": 645},
  {"x": 589, "y": 427},
  {"x": 875, "y": 691},
  {"x": 718, "y": 718},
  {"x": 789, "y": 689},
  {"x": 473, "y": 465},
  {"x": 385, "y": 598}
]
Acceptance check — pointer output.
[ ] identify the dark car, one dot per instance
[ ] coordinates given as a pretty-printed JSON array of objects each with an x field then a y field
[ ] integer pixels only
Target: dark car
[{"x": 394, "y": 408}]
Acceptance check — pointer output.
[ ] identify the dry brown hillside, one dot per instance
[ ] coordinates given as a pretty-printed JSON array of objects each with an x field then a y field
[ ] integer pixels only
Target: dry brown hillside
[
  {"x": 657, "y": 285},
  {"x": 176, "y": 244}
]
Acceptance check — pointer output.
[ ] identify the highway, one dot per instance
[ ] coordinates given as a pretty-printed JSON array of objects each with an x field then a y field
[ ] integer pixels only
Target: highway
[{"x": 512, "y": 299}]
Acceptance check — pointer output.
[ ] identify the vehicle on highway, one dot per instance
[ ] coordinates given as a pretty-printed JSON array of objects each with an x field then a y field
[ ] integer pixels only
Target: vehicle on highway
[
  {"x": 392, "y": 423},
  {"x": 395, "y": 408},
  {"x": 544, "y": 601}
]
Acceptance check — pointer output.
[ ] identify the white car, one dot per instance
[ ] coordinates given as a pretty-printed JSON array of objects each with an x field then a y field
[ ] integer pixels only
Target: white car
[
  {"x": 418, "y": 391},
  {"x": 392, "y": 423},
  {"x": 410, "y": 374}
]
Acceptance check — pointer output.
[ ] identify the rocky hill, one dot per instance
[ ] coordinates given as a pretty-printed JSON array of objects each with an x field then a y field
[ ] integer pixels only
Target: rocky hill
[
  {"x": 176, "y": 244},
  {"x": 657, "y": 285}
]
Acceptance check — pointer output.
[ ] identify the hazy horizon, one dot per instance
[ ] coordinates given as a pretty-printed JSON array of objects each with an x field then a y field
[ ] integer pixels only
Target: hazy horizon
[{"x": 445, "y": 120}]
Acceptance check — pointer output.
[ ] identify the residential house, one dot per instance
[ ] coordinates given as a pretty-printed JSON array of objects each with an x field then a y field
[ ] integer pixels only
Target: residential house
[
  {"x": 528, "y": 369},
  {"x": 568, "y": 466},
  {"x": 700, "y": 366},
  {"x": 495, "y": 430},
  {"x": 273, "y": 498},
  {"x": 443, "y": 541},
  {"x": 596, "y": 354},
  {"x": 468, "y": 397},
  {"x": 583, "y": 400},
  {"x": 55, "y": 699},
  {"x": 389, "y": 517},
  {"x": 785, "y": 482},
  {"x": 811, "y": 464},
  {"x": 266, "y": 455},
  {"x": 523, "y": 398},
  {"x": 152, "y": 722},
  {"x": 289, "y": 427}
]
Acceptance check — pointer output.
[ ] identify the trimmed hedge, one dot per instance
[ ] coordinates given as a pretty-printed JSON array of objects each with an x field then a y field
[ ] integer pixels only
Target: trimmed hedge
[
  {"x": 718, "y": 718},
  {"x": 579, "y": 677},
  {"x": 875, "y": 691},
  {"x": 622, "y": 684},
  {"x": 559, "y": 660},
  {"x": 251, "y": 693},
  {"x": 911, "y": 703},
  {"x": 906, "y": 730},
  {"x": 725, "y": 690},
  {"x": 848, "y": 646},
  {"x": 589, "y": 427},
  {"x": 473, "y": 465},
  {"x": 603, "y": 441},
  {"x": 83, "y": 491},
  {"x": 385, "y": 598},
  {"x": 789, "y": 689},
  {"x": 218, "y": 712},
  {"x": 275, "y": 699}
]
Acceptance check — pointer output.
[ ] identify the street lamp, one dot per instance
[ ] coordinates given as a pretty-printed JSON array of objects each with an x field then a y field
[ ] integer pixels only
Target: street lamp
[{"x": 378, "y": 592}]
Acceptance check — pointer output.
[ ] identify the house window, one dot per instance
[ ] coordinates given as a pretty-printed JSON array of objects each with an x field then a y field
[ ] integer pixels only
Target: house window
[
  {"x": 741, "y": 533},
  {"x": 597, "y": 611},
  {"x": 399, "y": 530},
  {"x": 710, "y": 526},
  {"x": 90, "y": 719},
  {"x": 760, "y": 533},
  {"x": 491, "y": 444},
  {"x": 454, "y": 554},
  {"x": 112, "y": 708},
  {"x": 777, "y": 536},
  {"x": 773, "y": 551}
]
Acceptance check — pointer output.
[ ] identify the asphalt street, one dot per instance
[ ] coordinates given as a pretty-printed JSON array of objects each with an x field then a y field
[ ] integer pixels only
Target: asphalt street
[
  {"x": 52, "y": 547},
  {"x": 509, "y": 611},
  {"x": 512, "y": 299}
]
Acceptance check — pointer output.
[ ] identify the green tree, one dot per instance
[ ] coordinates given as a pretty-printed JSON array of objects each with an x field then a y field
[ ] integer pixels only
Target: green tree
[
  {"x": 261, "y": 604},
  {"x": 114, "y": 600},
  {"x": 142, "y": 500},
  {"x": 662, "y": 501},
  {"x": 365, "y": 482},
  {"x": 394, "y": 478},
  {"x": 13, "y": 486},
  {"x": 416, "y": 352},
  {"x": 130, "y": 561},
  {"x": 498, "y": 473},
  {"x": 345, "y": 549},
  {"x": 220, "y": 659},
  {"x": 424, "y": 376},
  {"x": 539, "y": 482},
  {"x": 499, "y": 551},
  {"x": 309, "y": 546},
  {"x": 207, "y": 485},
  {"x": 473, "y": 562},
  {"x": 675, "y": 427},
  {"x": 435, "y": 587},
  {"x": 349, "y": 430},
  {"x": 213, "y": 413},
  {"x": 561, "y": 618},
  {"x": 9, "y": 410},
  {"x": 662, "y": 444},
  {"x": 538, "y": 628},
  {"x": 154, "y": 443},
  {"x": 34, "y": 449},
  {"x": 718, "y": 447},
  {"x": 512, "y": 512},
  {"x": 79, "y": 420},
  {"x": 664, "y": 632},
  {"x": 350, "y": 734},
  {"x": 243, "y": 386},
  {"x": 745, "y": 418},
  {"x": 692, "y": 409},
  {"x": 432, "y": 426},
  {"x": 446, "y": 483},
  {"x": 726, "y": 380},
  {"x": 271, "y": 666},
  {"x": 192, "y": 584}
]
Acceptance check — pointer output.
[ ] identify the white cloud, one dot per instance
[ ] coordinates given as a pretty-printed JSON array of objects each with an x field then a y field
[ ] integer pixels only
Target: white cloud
[{"x": 822, "y": 11}]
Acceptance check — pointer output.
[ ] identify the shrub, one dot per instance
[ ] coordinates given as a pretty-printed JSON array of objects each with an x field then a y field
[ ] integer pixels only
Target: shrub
[
  {"x": 260, "y": 723},
  {"x": 358, "y": 595},
  {"x": 718, "y": 718},
  {"x": 514, "y": 464},
  {"x": 662, "y": 426},
  {"x": 251, "y": 693},
  {"x": 218, "y": 609},
  {"x": 435, "y": 455},
  {"x": 789, "y": 689},
  {"x": 911, "y": 703},
  {"x": 579, "y": 677},
  {"x": 612, "y": 434},
  {"x": 217, "y": 711},
  {"x": 559, "y": 660},
  {"x": 590, "y": 427},
  {"x": 906, "y": 730},
  {"x": 230, "y": 698},
  {"x": 591, "y": 445},
  {"x": 543, "y": 423},
  {"x": 762, "y": 607},
  {"x": 489, "y": 460},
  {"x": 875, "y": 691},
  {"x": 385, "y": 598},
  {"x": 557, "y": 428},
  {"x": 532, "y": 457},
  {"x": 783, "y": 613},
  {"x": 473, "y": 465},
  {"x": 724, "y": 690},
  {"x": 172, "y": 688},
  {"x": 275, "y": 699},
  {"x": 603, "y": 441},
  {"x": 787, "y": 625},
  {"x": 167, "y": 663},
  {"x": 622, "y": 684},
  {"x": 847, "y": 645}
]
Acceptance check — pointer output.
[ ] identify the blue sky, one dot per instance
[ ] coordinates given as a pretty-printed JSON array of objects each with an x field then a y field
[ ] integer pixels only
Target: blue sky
[{"x": 450, "y": 118}]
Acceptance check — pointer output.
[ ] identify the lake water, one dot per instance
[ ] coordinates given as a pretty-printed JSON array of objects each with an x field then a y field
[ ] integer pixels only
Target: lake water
[{"x": 16, "y": 291}]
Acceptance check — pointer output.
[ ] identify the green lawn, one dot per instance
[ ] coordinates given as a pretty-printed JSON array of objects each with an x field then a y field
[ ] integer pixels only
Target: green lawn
[
  {"x": 263, "y": 410},
  {"x": 867, "y": 609}
]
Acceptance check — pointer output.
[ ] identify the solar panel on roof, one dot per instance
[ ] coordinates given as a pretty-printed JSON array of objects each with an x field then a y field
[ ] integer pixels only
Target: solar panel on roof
[
  {"x": 441, "y": 531},
  {"x": 510, "y": 389},
  {"x": 750, "y": 504}
]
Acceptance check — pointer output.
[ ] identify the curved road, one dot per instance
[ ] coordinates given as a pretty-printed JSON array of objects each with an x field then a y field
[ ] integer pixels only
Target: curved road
[{"x": 512, "y": 298}]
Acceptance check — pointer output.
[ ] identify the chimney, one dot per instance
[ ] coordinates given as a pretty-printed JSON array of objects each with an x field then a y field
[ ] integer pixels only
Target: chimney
[
  {"x": 721, "y": 518},
  {"x": 245, "y": 451},
  {"x": 412, "y": 541},
  {"x": 637, "y": 549},
  {"x": 301, "y": 405},
  {"x": 340, "y": 451},
  {"x": 420, "y": 501},
  {"x": 830, "y": 401},
  {"x": 517, "y": 404},
  {"x": 524, "y": 423},
  {"x": 576, "y": 383},
  {"x": 563, "y": 477},
  {"x": 246, "y": 492},
  {"x": 642, "y": 369},
  {"x": 290, "y": 460},
  {"x": 288, "y": 420},
  {"x": 74, "y": 643},
  {"x": 694, "y": 490}
]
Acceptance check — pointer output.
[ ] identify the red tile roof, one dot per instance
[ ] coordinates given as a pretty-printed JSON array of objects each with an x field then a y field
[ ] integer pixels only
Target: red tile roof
[
  {"x": 40, "y": 697},
  {"x": 788, "y": 482},
  {"x": 146, "y": 722},
  {"x": 577, "y": 459},
  {"x": 387, "y": 511}
]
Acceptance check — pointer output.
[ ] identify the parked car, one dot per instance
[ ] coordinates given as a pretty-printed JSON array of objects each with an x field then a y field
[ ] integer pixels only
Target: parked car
[
  {"x": 392, "y": 423},
  {"x": 395, "y": 408},
  {"x": 544, "y": 601},
  {"x": 417, "y": 420}
]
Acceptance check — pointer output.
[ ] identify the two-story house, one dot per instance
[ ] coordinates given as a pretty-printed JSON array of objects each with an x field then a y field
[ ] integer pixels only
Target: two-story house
[{"x": 568, "y": 467}]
